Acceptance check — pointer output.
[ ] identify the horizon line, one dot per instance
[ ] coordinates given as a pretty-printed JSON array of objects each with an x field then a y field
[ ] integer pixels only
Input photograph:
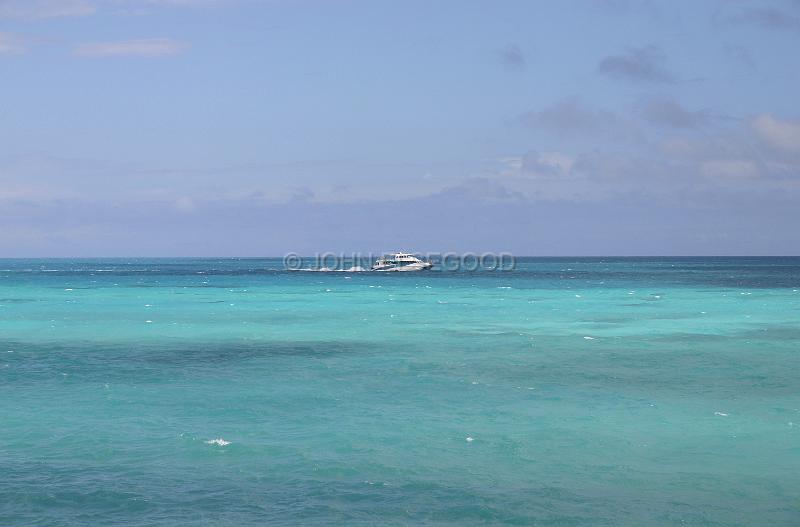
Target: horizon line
[{"x": 471, "y": 253}]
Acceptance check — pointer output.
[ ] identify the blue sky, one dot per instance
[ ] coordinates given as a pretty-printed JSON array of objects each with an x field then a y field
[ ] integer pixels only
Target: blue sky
[{"x": 247, "y": 127}]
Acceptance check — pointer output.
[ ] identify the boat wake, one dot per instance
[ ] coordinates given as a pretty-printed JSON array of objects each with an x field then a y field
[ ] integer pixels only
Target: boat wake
[{"x": 353, "y": 269}]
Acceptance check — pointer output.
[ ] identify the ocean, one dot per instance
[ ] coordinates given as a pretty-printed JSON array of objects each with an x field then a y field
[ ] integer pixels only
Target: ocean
[{"x": 566, "y": 392}]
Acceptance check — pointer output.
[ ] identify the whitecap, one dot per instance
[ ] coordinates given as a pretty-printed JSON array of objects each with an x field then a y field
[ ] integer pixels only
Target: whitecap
[
  {"x": 470, "y": 439},
  {"x": 721, "y": 414},
  {"x": 218, "y": 442},
  {"x": 588, "y": 338}
]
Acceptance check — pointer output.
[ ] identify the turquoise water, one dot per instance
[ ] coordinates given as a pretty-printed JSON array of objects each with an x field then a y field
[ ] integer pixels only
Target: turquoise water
[{"x": 567, "y": 392}]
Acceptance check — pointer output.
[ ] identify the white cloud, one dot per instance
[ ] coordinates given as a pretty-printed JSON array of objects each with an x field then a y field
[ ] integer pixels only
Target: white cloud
[
  {"x": 729, "y": 168},
  {"x": 145, "y": 6},
  {"x": 544, "y": 165},
  {"x": 570, "y": 117},
  {"x": 558, "y": 162},
  {"x": 185, "y": 204},
  {"x": 10, "y": 44},
  {"x": 668, "y": 113},
  {"x": 783, "y": 135},
  {"x": 637, "y": 64},
  {"x": 32, "y": 9},
  {"x": 186, "y": 2},
  {"x": 148, "y": 47},
  {"x": 34, "y": 192}
]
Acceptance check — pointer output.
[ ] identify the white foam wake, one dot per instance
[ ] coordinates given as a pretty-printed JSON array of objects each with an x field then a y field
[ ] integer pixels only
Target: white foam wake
[{"x": 353, "y": 269}]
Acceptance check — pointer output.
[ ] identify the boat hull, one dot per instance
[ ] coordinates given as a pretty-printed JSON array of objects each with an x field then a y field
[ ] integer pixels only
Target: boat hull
[{"x": 422, "y": 266}]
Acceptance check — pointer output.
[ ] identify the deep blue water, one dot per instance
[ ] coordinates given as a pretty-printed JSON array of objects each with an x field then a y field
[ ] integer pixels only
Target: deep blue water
[{"x": 616, "y": 391}]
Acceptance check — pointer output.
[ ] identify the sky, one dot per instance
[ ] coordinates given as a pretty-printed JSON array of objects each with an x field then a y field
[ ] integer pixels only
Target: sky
[{"x": 261, "y": 127}]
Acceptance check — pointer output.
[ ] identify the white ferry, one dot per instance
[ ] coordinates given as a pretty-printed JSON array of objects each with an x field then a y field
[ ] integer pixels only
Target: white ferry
[{"x": 401, "y": 262}]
